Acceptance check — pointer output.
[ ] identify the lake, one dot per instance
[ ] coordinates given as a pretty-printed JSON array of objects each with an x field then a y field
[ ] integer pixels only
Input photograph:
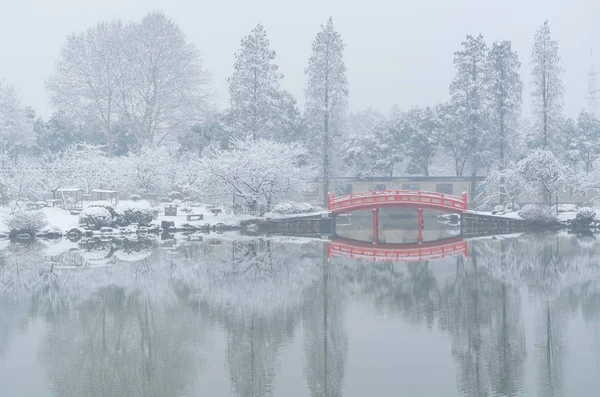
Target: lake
[{"x": 230, "y": 315}]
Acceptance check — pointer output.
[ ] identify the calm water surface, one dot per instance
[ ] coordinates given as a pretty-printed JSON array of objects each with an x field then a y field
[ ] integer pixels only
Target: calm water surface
[{"x": 234, "y": 316}]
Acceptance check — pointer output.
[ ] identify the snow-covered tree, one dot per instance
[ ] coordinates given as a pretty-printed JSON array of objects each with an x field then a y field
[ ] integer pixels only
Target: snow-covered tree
[
  {"x": 417, "y": 130},
  {"x": 145, "y": 76},
  {"x": 146, "y": 168},
  {"x": 510, "y": 184},
  {"x": 254, "y": 92},
  {"x": 16, "y": 128},
  {"x": 326, "y": 96},
  {"x": 89, "y": 165},
  {"x": 20, "y": 181},
  {"x": 452, "y": 139},
  {"x": 118, "y": 175},
  {"x": 544, "y": 171},
  {"x": 57, "y": 170},
  {"x": 589, "y": 182},
  {"x": 370, "y": 145},
  {"x": 258, "y": 172},
  {"x": 292, "y": 125},
  {"x": 505, "y": 96},
  {"x": 197, "y": 138},
  {"x": 56, "y": 134},
  {"x": 357, "y": 154},
  {"x": 164, "y": 90},
  {"x": 547, "y": 88},
  {"x": 172, "y": 162},
  {"x": 85, "y": 83},
  {"x": 469, "y": 94},
  {"x": 568, "y": 142},
  {"x": 373, "y": 153},
  {"x": 588, "y": 139},
  {"x": 363, "y": 122}
]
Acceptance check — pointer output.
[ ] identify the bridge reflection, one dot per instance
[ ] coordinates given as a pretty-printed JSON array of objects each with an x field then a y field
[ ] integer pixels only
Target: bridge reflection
[{"x": 367, "y": 251}]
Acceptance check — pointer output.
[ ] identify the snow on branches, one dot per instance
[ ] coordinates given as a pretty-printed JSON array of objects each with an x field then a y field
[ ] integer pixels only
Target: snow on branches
[
  {"x": 537, "y": 177},
  {"x": 256, "y": 171},
  {"x": 16, "y": 131}
]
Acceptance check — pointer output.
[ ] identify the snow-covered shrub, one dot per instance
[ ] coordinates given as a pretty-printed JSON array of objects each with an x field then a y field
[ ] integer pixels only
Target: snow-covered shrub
[
  {"x": 96, "y": 217},
  {"x": 111, "y": 210},
  {"x": 135, "y": 197},
  {"x": 137, "y": 213},
  {"x": 585, "y": 215},
  {"x": 293, "y": 207},
  {"x": 537, "y": 213},
  {"x": 562, "y": 208},
  {"x": 499, "y": 209},
  {"x": 512, "y": 207},
  {"x": 26, "y": 222}
]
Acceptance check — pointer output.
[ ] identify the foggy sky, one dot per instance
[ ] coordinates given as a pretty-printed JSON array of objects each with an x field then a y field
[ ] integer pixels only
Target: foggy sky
[{"x": 398, "y": 52}]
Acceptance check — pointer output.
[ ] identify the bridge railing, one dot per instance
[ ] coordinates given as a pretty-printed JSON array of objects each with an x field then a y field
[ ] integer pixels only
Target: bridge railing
[
  {"x": 334, "y": 202},
  {"x": 432, "y": 250}
]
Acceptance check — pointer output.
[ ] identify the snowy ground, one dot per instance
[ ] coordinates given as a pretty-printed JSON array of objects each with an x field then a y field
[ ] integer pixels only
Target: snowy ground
[
  {"x": 64, "y": 221},
  {"x": 227, "y": 219},
  {"x": 562, "y": 217},
  {"x": 273, "y": 215},
  {"x": 511, "y": 215}
]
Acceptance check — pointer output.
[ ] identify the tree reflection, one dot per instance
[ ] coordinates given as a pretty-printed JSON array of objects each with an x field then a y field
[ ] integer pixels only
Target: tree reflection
[
  {"x": 325, "y": 338},
  {"x": 13, "y": 318},
  {"x": 122, "y": 344},
  {"x": 255, "y": 294},
  {"x": 134, "y": 328},
  {"x": 481, "y": 314},
  {"x": 253, "y": 345},
  {"x": 551, "y": 351}
]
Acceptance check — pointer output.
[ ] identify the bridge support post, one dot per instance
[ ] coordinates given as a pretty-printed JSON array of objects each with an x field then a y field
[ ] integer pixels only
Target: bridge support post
[
  {"x": 375, "y": 225},
  {"x": 420, "y": 225}
]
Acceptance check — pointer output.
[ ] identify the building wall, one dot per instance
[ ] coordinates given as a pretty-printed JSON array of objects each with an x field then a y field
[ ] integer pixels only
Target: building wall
[{"x": 342, "y": 186}]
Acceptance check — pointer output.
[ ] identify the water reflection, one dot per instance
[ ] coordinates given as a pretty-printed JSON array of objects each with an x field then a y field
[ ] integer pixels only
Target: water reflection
[
  {"x": 139, "y": 316},
  {"x": 119, "y": 343},
  {"x": 397, "y": 225},
  {"x": 325, "y": 339}
]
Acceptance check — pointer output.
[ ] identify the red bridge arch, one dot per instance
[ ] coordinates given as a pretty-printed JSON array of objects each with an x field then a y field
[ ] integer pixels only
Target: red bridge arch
[
  {"x": 397, "y": 198},
  {"x": 397, "y": 252}
]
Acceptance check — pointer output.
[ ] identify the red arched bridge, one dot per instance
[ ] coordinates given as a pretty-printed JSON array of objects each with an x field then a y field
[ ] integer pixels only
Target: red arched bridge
[
  {"x": 397, "y": 252},
  {"x": 397, "y": 198}
]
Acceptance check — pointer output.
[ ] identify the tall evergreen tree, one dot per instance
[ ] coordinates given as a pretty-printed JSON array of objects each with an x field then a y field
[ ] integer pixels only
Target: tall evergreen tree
[
  {"x": 468, "y": 91},
  {"x": 505, "y": 96},
  {"x": 547, "y": 88},
  {"x": 326, "y": 94},
  {"x": 255, "y": 96}
]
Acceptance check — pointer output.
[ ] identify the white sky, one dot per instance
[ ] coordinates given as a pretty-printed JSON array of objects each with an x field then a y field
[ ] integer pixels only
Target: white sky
[{"x": 398, "y": 52}]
